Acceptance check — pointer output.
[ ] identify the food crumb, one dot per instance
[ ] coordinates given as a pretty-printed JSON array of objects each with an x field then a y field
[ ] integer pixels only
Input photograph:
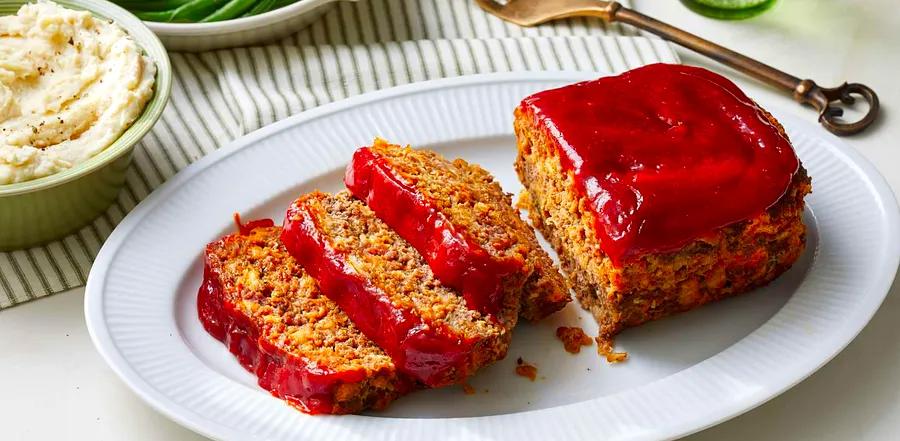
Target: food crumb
[
  {"x": 605, "y": 348},
  {"x": 524, "y": 201},
  {"x": 468, "y": 389},
  {"x": 526, "y": 370},
  {"x": 573, "y": 338}
]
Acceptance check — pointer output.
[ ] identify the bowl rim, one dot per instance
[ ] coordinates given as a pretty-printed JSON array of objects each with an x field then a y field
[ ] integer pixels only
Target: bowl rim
[
  {"x": 238, "y": 24},
  {"x": 142, "y": 124}
]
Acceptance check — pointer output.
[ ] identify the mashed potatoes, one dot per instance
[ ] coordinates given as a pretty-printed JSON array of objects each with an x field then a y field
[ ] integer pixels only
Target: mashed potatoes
[{"x": 70, "y": 85}]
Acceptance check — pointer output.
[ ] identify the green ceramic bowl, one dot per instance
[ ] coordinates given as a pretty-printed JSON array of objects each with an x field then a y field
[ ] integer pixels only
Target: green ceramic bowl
[{"x": 44, "y": 209}]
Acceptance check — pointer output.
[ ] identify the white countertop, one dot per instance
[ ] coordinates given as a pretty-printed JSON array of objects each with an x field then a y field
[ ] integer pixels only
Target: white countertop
[{"x": 55, "y": 386}]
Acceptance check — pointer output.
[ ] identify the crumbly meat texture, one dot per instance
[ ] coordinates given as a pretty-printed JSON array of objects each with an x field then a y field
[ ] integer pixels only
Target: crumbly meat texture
[
  {"x": 264, "y": 289},
  {"x": 396, "y": 270},
  {"x": 474, "y": 202},
  {"x": 573, "y": 338},
  {"x": 735, "y": 259},
  {"x": 527, "y": 370}
]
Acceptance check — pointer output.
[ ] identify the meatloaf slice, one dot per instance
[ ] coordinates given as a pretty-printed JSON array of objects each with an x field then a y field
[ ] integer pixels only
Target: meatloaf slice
[
  {"x": 389, "y": 291},
  {"x": 625, "y": 290},
  {"x": 458, "y": 217},
  {"x": 272, "y": 316}
]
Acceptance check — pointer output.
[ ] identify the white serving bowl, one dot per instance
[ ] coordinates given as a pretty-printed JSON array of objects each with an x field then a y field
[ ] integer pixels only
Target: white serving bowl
[{"x": 281, "y": 22}]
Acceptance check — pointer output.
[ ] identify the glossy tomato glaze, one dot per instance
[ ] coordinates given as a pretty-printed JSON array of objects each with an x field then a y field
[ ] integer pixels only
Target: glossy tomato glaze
[
  {"x": 456, "y": 260},
  {"x": 245, "y": 228},
  {"x": 665, "y": 154},
  {"x": 428, "y": 354},
  {"x": 300, "y": 382}
]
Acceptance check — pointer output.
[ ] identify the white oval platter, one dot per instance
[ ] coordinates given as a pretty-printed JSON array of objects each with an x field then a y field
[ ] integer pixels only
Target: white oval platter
[{"x": 684, "y": 373}]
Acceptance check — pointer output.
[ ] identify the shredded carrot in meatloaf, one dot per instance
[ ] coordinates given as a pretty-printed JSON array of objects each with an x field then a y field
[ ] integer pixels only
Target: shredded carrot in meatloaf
[
  {"x": 573, "y": 338},
  {"x": 524, "y": 201}
]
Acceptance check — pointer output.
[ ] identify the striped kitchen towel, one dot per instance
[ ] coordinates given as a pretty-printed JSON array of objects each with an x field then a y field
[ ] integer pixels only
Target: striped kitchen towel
[{"x": 356, "y": 47}]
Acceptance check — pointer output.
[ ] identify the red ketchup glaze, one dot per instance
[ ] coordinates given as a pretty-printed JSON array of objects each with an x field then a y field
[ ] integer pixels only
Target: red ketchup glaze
[
  {"x": 429, "y": 355},
  {"x": 665, "y": 154},
  {"x": 246, "y": 228},
  {"x": 456, "y": 260},
  {"x": 300, "y": 382}
]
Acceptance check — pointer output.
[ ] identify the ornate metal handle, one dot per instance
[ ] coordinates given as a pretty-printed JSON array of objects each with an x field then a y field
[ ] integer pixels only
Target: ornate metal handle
[{"x": 825, "y": 100}]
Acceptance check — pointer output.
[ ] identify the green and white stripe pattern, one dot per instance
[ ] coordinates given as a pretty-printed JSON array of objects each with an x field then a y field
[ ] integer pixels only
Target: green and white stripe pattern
[{"x": 355, "y": 48}]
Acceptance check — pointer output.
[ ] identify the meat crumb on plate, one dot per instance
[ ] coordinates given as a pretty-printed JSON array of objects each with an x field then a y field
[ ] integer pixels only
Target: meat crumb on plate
[
  {"x": 526, "y": 370},
  {"x": 573, "y": 338},
  {"x": 605, "y": 348}
]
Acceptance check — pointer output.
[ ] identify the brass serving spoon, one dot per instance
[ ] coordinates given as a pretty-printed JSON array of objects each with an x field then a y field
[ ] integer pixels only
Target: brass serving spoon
[{"x": 824, "y": 100}]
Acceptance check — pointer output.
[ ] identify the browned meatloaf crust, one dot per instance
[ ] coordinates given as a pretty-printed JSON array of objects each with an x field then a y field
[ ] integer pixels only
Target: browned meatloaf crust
[
  {"x": 475, "y": 205},
  {"x": 273, "y": 317},
  {"x": 390, "y": 293},
  {"x": 738, "y": 258}
]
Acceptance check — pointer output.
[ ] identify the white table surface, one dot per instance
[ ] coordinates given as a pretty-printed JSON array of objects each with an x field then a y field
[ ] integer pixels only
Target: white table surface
[{"x": 54, "y": 386}]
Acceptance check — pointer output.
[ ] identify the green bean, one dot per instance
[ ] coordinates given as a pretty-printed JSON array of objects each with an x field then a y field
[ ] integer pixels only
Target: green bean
[
  {"x": 192, "y": 11},
  {"x": 261, "y": 7},
  {"x": 232, "y": 9},
  {"x": 152, "y": 5},
  {"x": 277, "y": 4},
  {"x": 199, "y": 11},
  {"x": 157, "y": 16}
]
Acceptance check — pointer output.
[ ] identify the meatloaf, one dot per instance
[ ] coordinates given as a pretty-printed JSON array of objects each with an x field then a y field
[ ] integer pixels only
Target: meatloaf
[
  {"x": 661, "y": 189},
  {"x": 302, "y": 347},
  {"x": 458, "y": 217},
  {"x": 389, "y": 291}
]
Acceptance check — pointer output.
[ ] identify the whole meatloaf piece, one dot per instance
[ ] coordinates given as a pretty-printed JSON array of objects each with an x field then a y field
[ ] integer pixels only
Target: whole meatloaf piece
[
  {"x": 389, "y": 291},
  {"x": 458, "y": 217},
  {"x": 272, "y": 316},
  {"x": 661, "y": 189}
]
